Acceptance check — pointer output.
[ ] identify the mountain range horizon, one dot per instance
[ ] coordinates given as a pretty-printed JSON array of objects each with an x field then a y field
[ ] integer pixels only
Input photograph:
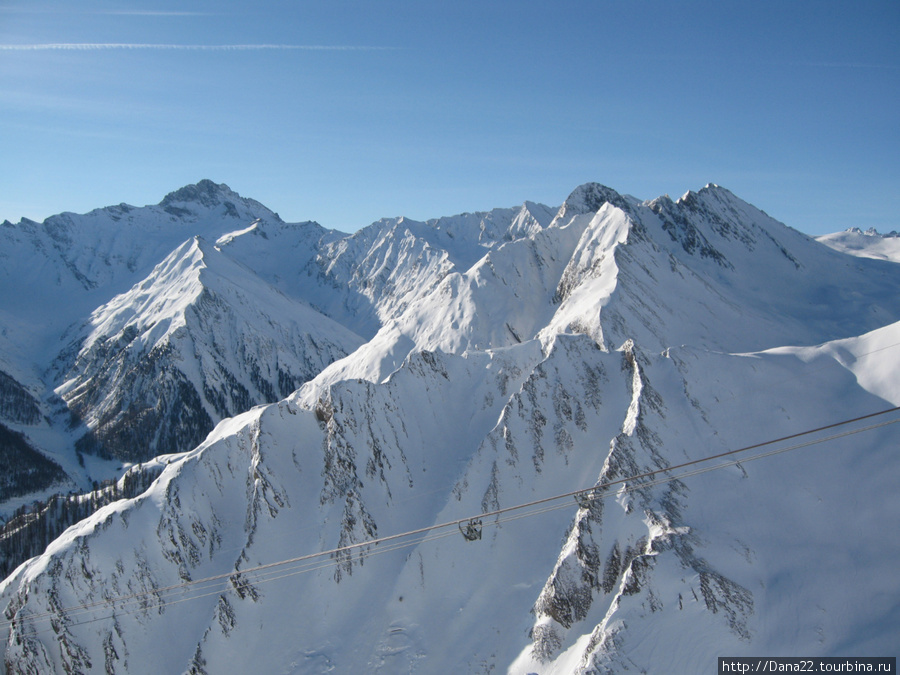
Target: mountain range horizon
[{"x": 245, "y": 438}]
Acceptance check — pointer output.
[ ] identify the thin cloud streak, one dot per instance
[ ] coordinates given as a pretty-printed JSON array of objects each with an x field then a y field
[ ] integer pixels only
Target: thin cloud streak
[
  {"x": 111, "y": 12},
  {"x": 151, "y": 12},
  {"x": 96, "y": 46}
]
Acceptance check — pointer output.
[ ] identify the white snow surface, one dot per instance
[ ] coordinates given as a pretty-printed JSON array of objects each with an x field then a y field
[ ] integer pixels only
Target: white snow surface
[
  {"x": 215, "y": 323},
  {"x": 867, "y": 244},
  {"x": 511, "y": 356},
  {"x": 87, "y": 297}
]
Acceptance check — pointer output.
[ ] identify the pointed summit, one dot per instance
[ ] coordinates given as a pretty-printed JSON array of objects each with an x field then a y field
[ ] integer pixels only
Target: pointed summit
[
  {"x": 588, "y": 198},
  {"x": 209, "y": 196},
  {"x": 199, "y": 339},
  {"x": 509, "y": 361},
  {"x": 205, "y": 192}
]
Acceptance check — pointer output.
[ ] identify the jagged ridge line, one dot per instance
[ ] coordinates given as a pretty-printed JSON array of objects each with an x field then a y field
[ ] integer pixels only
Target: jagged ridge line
[
  {"x": 332, "y": 552},
  {"x": 304, "y": 568},
  {"x": 584, "y": 491}
]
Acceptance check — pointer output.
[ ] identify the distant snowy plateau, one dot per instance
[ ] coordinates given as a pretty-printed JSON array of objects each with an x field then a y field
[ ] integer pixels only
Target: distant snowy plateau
[{"x": 231, "y": 444}]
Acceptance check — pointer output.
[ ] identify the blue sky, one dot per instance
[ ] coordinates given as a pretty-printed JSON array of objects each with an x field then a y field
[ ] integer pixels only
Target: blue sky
[{"x": 346, "y": 111}]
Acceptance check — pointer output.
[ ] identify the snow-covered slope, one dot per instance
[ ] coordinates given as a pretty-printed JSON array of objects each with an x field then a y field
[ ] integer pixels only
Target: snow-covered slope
[
  {"x": 72, "y": 263},
  {"x": 711, "y": 270},
  {"x": 708, "y": 270},
  {"x": 73, "y": 271},
  {"x": 146, "y": 361},
  {"x": 701, "y": 564},
  {"x": 512, "y": 359},
  {"x": 201, "y": 339},
  {"x": 868, "y": 244},
  {"x": 384, "y": 267}
]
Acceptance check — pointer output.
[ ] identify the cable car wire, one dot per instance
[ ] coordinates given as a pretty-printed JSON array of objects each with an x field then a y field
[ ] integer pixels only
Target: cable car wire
[{"x": 165, "y": 596}]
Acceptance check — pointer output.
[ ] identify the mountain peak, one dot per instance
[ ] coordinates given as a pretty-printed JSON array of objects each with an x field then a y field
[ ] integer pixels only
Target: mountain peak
[
  {"x": 508, "y": 357},
  {"x": 588, "y": 198},
  {"x": 204, "y": 192},
  {"x": 209, "y": 196}
]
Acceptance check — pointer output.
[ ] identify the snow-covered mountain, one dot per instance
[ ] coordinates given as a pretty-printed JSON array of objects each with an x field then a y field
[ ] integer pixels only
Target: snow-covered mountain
[
  {"x": 200, "y": 339},
  {"x": 868, "y": 244},
  {"x": 124, "y": 335},
  {"x": 510, "y": 357},
  {"x": 384, "y": 266},
  {"x": 708, "y": 270}
]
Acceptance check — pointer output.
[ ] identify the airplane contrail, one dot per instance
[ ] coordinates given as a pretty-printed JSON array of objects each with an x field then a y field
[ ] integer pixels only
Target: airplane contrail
[{"x": 94, "y": 46}]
